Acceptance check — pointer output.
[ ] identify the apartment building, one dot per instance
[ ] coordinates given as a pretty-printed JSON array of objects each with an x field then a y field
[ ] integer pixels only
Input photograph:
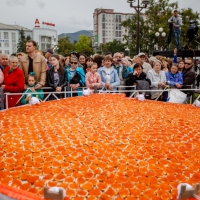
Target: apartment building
[{"x": 107, "y": 25}]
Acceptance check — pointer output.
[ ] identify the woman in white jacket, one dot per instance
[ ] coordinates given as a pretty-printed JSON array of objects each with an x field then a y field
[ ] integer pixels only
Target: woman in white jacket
[{"x": 158, "y": 79}]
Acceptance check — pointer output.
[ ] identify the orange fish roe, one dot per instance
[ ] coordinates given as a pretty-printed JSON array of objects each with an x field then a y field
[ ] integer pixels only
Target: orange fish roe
[{"x": 103, "y": 146}]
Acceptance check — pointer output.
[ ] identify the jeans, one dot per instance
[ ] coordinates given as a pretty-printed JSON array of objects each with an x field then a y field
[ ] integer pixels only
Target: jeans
[{"x": 177, "y": 37}]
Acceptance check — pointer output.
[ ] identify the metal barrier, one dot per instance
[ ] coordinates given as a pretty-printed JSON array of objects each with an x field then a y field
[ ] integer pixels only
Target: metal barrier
[
  {"x": 68, "y": 92},
  {"x": 1, "y": 99}
]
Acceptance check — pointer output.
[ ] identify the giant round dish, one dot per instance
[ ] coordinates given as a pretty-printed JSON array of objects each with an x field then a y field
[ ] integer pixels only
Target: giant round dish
[{"x": 103, "y": 146}]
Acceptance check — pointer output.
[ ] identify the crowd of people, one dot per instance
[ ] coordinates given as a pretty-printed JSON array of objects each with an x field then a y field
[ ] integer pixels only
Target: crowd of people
[{"x": 31, "y": 71}]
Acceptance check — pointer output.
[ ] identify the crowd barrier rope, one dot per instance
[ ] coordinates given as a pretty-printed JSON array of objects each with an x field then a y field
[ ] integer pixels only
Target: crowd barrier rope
[{"x": 68, "y": 92}]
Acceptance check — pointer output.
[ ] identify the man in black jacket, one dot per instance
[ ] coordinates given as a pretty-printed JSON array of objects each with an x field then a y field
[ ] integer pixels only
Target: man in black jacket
[{"x": 188, "y": 77}]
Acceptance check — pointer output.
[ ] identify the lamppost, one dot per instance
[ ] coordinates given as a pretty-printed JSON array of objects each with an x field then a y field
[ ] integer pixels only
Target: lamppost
[
  {"x": 138, "y": 9},
  {"x": 160, "y": 34},
  {"x": 127, "y": 50}
]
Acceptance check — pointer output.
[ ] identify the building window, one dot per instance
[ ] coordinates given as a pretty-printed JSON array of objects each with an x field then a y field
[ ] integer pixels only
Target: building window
[
  {"x": 103, "y": 33},
  {"x": 103, "y": 26},
  {"x": 117, "y": 18},
  {"x": 116, "y": 34},
  {"x": 6, "y": 44},
  {"x": 42, "y": 46},
  {"x": 45, "y": 42},
  {"x": 5, "y": 35},
  {"x": 104, "y": 40},
  {"x": 117, "y": 26},
  {"x": 7, "y": 52},
  {"x": 120, "y": 18},
  {"x": 13, "y": 37},
  {"x": 103, "y": 18},
  {"x": 120, "y": 34}
]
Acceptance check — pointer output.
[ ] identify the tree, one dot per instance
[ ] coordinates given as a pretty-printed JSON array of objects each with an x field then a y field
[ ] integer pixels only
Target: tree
[
  {"x": 115, "y": 46},
  {"x": 84, "y": 45},
  {"x": 157, "y": 14},
  {"x": 65, "y": 47},
  {"x": 21, "y": 45},
  {"x": 187, "y": 15}
]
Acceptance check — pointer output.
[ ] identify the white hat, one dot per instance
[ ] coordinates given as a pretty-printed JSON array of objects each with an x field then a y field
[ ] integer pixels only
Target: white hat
[
  {"x": 152, "y": 58},
  {"x": 141, "y": 54}
]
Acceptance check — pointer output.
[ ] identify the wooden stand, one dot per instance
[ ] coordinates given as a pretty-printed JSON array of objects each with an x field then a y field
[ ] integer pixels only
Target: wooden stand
[
  {"x": 190, "y": 193},
  {"x": 53, "y": 195}
]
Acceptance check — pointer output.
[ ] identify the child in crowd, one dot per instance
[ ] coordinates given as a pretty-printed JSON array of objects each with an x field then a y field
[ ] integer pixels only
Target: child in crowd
[
  {"x": 31, "y": 89},
  {"x": 92, "y": 77}
]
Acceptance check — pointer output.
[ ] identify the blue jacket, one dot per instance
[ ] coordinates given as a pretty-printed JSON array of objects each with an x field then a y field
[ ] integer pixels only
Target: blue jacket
[
  {"x": 114, "y": 78},
  {"x": 172, "y": 80},
  {"x": 81, "y": 72}
]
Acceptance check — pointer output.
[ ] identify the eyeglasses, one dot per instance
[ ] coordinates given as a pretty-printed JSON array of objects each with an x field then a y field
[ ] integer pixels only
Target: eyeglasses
[
  {"x": 188, "y": 63},
  {"x": 73, "y": 63}
]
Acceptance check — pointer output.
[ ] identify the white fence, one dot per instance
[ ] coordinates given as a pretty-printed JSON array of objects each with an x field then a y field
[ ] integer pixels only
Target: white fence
[{"x": 68, "y": 92}]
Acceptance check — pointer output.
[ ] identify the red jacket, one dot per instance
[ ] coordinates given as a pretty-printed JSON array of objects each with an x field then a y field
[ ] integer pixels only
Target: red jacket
[{"x": 14, "y": 83}]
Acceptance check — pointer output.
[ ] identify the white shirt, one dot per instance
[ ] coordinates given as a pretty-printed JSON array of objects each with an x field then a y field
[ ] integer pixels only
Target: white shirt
[{"x": 107, "y": 70}]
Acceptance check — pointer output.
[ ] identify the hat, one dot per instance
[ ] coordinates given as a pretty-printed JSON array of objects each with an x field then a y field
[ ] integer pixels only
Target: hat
[
  {"x": 50, "y": 51},
  {"x": 152, "y": 58},
  {"x": 141, "y": 54}
]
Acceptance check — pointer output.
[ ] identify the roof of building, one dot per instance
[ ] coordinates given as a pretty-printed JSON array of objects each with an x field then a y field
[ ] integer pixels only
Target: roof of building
[{"x": 12, "y": 27}]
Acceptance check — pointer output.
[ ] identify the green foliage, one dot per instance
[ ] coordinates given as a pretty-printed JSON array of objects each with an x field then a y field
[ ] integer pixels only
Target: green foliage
[
  {"x": 115, "y": 46},
  {"x": 21, "y": 45},
  {"x": 65, "y": 46},
  {"x": 157, "y": 15},
  {"x": 84, "y": 45},
  {"x": 187, "y": 15}
]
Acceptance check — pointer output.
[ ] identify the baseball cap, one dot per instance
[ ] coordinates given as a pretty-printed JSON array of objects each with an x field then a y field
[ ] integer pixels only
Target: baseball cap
[
  {"x": 50, "y": 51},
  {"x": 141, "y": 54}
]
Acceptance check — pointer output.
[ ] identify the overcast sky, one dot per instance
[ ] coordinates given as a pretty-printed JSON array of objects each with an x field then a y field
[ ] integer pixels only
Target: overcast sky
[{"x": 68, "y": 15}]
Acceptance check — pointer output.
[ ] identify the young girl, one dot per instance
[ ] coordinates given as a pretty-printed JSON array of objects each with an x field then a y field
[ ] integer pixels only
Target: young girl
[
  {"x": 88, "y": 63},
  {"x": 56, "y": 77},
  {"x": 31, "y": 89},
  {"x": 93, "y": 78}
]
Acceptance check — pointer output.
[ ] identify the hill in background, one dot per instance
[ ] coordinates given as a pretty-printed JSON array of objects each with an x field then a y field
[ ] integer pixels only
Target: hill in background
[{"x": 75, "y": 36}]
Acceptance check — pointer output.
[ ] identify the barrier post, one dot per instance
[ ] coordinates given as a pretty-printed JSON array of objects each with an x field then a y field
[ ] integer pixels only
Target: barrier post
[
  {"x": 2, "y": 99},
  {"x": 95, "y": 89}
]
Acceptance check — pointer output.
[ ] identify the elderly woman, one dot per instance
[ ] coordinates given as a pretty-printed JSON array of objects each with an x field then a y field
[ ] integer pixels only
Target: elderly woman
[
  {"x": 158, "y": 80},
  {"x": 174, "y": 77},
  {"x": 109, "y": 75},
  {"x": 13, "y": 81},
  {"x": 75, "y": 76}
]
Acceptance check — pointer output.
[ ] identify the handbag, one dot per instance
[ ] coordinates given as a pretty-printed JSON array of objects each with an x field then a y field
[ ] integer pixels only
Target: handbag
[
  {"x": 176, "y": 96},
  {"x": 76, "y": 79}
]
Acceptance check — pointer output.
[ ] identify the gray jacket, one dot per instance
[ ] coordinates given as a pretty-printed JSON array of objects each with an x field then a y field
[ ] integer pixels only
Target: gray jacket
[
  {"x": 177, "y": 22},
  {"x": 155, "y": 79}
]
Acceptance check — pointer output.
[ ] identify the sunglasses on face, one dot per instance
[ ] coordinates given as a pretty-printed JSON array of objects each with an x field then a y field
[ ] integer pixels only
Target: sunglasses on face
[
  {"x": 73, "y": 63},
  {"x": 188, "y": 63}
]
